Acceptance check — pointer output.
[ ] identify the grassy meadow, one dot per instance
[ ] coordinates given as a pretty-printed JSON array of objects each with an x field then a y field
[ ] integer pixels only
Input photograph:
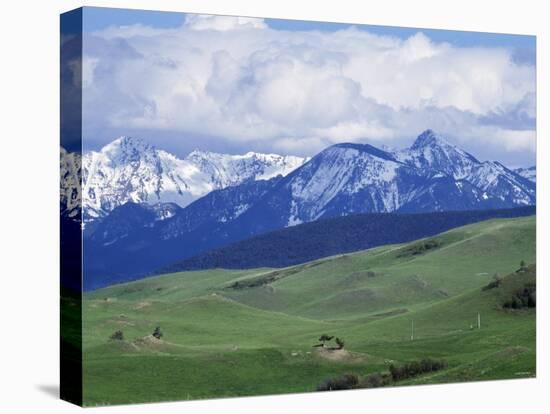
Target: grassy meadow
[{"x": 251, "y": 332}]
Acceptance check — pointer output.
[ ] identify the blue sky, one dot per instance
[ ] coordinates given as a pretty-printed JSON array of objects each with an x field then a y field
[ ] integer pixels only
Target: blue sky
[
  {"x": 504, "y": 114},
  {"x": 98, "y": 18}
]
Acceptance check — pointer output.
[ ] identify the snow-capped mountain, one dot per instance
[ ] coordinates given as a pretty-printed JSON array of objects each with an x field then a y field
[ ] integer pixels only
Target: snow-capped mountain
[
  {"x": 345, "y": 177},
  {"x": 491, "y": 179},
  {"x": 431, "y": 175},
  {"x": 229, "y": 170},
  {"x": 433, "y": 154},
  {"x": 130, "y": 170},
  {"x": 530, "y": 173}
]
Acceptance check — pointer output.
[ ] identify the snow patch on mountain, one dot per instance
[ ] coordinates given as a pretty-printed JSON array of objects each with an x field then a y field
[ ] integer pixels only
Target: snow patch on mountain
[
  {"x": 529, "y": 173},
  {"x": 432, "y": 152},
  {"x": 496, "y": 179},
  {"x": 341, "y": 169},
  {"x": 229, "y": 170}
]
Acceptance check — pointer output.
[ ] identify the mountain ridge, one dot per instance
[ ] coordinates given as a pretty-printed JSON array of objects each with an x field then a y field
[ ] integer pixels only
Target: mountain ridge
[
  {"x": 131, "y": 170},
  {"x": 529, "y": 173},
  {"x": 344, "y": 179}
]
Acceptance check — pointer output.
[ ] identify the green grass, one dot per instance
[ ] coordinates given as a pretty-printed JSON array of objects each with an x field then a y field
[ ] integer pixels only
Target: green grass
[{"x": 224, "y": 338}]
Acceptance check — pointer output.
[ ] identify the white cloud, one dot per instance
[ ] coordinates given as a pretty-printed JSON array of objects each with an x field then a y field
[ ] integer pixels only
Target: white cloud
[
  {"x": 508, "y": 140},
  {"x": 418, "y": 47},
  {"x": 222, "y": 23},
  {"x": 237, "y": 79}
]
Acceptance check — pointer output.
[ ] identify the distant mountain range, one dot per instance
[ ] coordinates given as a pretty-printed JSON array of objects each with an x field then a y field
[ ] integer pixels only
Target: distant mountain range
[
  {"x": 145, "y": 208},
  {"x": 131, "y": 170},
  {"x": 431, "y": 175}
]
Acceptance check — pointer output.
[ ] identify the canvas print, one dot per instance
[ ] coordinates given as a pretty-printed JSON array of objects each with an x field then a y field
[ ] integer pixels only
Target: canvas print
[{"x": 255, "y": 206}]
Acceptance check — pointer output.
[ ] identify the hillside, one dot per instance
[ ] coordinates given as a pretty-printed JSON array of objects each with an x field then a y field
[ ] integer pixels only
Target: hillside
[
  {"x": 354, "y": 285},
  {"x": 328, "y": 237},
  {"x": 390, "y": 277},
  {"x": 244, "y": 332}
]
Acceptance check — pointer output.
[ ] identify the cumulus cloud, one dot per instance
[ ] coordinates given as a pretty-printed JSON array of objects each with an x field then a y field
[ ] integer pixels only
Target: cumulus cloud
[
  {"x": 222, "y": 23},
  {"x": 239, "y": 80}
]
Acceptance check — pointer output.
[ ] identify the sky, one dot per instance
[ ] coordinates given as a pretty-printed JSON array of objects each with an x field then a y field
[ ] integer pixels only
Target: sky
[{"x": 235, "y": 84}]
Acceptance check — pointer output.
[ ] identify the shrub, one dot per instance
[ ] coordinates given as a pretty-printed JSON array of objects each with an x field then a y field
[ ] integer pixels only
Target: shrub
[
  {"x": 340, "y": 343},
  {"x": 117, "y": 335},
  {"x": 491, "y": 285},
  {"x": 323, "y": 338},
  {"x": 495, "y": 283},
  {"x": 375, "y": 380},
  {"x": 157, "y": 333},
  {"x": 523, "y": 298},
  {"x": 420, "y": 248},
  {"x": 345, "y": 382},
  {"x": 415, "y": 368}
]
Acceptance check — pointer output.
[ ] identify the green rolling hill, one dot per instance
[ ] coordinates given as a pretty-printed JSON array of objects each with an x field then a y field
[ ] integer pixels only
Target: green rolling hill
[{"x": 249, "y": 332}]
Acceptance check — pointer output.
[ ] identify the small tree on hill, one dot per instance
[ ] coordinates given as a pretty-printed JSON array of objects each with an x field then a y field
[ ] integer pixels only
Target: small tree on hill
[
  {"x": 324, "y": 338},
  {"x": 522, "y": 265},
  {"x": 117, "y": 335},
  {"x": 340, "y": 343},
  {"x": 157, "y": 333}
]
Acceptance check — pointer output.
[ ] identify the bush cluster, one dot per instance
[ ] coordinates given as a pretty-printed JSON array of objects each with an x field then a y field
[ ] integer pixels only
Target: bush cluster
[
  {"x": 523, "y": 298},
  {"x": 495, "y": 283},
  {"x": 376, "y": 380},
  {"x": 117, "y": 335},
  {"x": 420, "y": 248},
  {"x": 345, "y": 382},
  {"x": 397, "y": 373},
  {"x": 413, "y": 369}
]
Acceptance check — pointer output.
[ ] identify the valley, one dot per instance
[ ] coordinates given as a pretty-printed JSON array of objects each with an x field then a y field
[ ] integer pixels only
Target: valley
[{"x": 249, "y": 332}]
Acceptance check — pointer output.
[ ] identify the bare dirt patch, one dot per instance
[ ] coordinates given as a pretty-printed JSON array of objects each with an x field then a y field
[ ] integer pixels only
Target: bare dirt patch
[
  {"x": 339, "y": 355},
  {"x": 149, "y": 342}
]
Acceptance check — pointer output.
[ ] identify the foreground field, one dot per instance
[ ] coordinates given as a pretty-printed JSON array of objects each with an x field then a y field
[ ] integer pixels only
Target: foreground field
[{"x": 233, "y": 333}]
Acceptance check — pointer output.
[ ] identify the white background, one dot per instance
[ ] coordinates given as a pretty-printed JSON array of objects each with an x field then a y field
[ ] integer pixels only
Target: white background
[{"x": 29, "y": 150}]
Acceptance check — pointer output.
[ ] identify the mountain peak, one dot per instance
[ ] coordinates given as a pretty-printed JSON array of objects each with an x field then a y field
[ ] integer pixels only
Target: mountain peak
[
  {"x": 366, "y": 148},
  {"x": 198, "y": 153},
  {"x": 130, "y": 169},
  {"x": 126, "y": 144},
  {"x": 429, "y": 138}
]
